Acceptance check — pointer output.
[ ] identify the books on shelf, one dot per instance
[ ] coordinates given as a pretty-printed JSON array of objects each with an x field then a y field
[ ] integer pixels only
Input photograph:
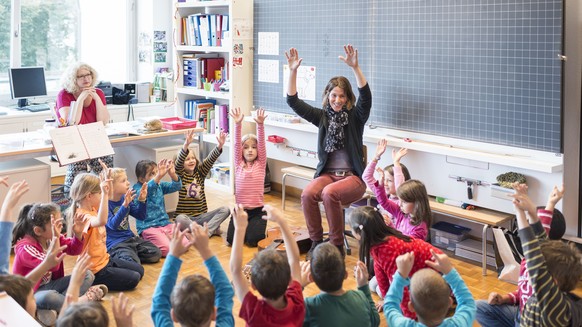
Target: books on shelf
[
  {"x": 81, "y": 142},
  {"x": 204, "y": 29}
]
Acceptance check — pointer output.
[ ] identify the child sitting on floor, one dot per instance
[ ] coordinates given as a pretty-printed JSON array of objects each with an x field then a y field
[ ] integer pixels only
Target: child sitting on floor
[{"x": 335, "y": 306}]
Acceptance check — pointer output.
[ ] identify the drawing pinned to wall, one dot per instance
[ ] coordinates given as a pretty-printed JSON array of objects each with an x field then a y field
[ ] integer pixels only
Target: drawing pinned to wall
[
  {"x": 160, "y": 57},
  {"x": 160, "y": 47},
  {"x": 237, "y": 62},
  {"x": 305, "y": 82},
  {"x": 238, "y": 48},
  {"x": 160, "y": 36},
  {"x": 144, "y": 39},
  {"x": 268, "y": 71},
  {"x": 144, "y": 56},
  {"x": 243, "y": 28},
  {"x": 268, "y": 43}
]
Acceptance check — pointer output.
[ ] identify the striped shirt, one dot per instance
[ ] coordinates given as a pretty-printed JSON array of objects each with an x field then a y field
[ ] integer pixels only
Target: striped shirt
[
  {"x": 250, "y": 176},
  {"x": 548, "y": 306},
  {"x": 192, "y": 199}
]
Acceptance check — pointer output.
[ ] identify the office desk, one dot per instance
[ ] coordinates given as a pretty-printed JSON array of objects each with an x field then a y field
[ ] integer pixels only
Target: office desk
[{"x": 37, "y": 144}]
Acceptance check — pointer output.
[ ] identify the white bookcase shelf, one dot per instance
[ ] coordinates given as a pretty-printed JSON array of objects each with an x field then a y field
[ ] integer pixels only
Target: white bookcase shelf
[{"x": 240, "y": 76}]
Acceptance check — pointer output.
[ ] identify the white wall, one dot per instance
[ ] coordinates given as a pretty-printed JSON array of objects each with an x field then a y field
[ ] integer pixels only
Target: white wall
[{"x": 154, "y": 16}]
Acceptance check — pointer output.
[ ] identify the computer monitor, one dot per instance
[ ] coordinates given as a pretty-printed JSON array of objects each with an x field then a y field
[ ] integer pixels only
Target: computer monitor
[{"x": 26, "y": 82}]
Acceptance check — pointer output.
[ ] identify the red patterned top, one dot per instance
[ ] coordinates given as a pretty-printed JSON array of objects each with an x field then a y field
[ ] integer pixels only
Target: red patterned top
[{"x": 385, "y": 264}]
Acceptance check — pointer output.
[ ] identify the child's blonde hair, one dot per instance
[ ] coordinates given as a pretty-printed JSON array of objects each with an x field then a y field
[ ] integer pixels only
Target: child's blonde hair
[
  {"x": 246, "y": 138},
  {"x": 414, "y": 191},
  {"x": 430, "y": 296},
  {"x": 83, "y": 185},
  {"x": 116, "y": 173}
]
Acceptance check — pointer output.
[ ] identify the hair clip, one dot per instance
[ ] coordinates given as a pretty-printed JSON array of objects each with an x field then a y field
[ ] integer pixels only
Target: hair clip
[
  {"x": 375, "y": 209},
  {"x": 361, "y": 227}
]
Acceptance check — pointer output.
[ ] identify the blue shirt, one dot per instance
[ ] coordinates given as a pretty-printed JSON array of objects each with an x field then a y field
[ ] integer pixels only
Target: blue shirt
[
  {"x": 161, "y": 305},
  {"x": 464, "y": 314},
  {"x": 118, "y": 221},
  {"x": 156, "y": 215},
  {"x": 5, "y": 245}
]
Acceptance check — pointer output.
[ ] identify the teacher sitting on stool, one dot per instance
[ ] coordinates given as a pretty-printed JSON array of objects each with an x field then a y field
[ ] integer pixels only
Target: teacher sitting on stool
[
  {"x": 339, "y": 149},
  {"x": 88, "y": 104}
]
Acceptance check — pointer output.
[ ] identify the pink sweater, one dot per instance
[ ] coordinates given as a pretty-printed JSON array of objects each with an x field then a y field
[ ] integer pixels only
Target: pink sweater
[
  {"x": 250, "y": 176},
  {"x": 28, "y": 253}
]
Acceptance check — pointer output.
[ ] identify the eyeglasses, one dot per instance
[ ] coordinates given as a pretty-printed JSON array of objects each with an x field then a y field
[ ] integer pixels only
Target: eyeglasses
[{"x": 83, "y": 76}]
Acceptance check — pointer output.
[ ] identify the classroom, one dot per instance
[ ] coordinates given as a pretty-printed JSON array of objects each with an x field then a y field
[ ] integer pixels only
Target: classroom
[{"x": 478, "y": 93}]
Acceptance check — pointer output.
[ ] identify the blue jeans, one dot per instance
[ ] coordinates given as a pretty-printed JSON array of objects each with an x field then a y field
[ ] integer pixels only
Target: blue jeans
[
  {"x": 497, "y": 315},
  {"x": 51, "y": 295}
]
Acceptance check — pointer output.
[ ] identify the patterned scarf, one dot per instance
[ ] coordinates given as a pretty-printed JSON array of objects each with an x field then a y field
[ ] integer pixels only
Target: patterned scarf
[{"x": 334, "y": 140}]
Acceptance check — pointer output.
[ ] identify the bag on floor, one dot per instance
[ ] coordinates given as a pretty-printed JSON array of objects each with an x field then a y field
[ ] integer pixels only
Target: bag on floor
[{"x": 508, "y": 253}]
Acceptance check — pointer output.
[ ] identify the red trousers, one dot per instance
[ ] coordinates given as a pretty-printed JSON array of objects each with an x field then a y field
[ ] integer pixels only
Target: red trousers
[{"x": 333, "y": 191}]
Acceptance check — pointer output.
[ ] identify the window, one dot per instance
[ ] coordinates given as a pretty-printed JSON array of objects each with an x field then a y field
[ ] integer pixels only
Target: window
[{"x": 54, "y": 33}]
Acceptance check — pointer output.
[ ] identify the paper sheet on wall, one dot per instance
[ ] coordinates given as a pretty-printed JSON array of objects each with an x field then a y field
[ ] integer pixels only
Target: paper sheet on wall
[
  {"x": 268, "y": 71},
  {"x": 268, "y": 43},
  {"x": 243, "y": 29},
  {"x": 305, "y": 82}
]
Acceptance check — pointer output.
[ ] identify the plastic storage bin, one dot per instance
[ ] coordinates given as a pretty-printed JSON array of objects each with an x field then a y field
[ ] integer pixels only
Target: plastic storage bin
[
  {"x": 446, "y": 235},
  {"x": 177, "y": 123}
]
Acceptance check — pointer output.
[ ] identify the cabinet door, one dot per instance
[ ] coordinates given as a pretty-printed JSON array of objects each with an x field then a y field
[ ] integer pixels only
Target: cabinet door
[
  {"x": 12, "y": 127},
  {"x": 118, "y": 115},
  {"x": 34, "y": 125}
]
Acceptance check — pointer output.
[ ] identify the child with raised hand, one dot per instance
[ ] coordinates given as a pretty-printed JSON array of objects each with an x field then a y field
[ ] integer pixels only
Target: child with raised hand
[
  {"x": 546, "y": 223},
  {"x": 37, "y": 225},
  {"x": 7, "y": 218},
  {"x": 335, "y": 306},
  {"x": 250, "y": 161},
  {"x": 554, "y": 270},
  {"x": 429, "y": 293},
  {"x": 192, "y": 201},
  {"x": 90, "y": 199},
  {"x": 276, "y": 278},
  {"x": 384, "y": 244},
  {"x": 74, "y": 311},
  {"x": 156, "y": 227},
  {"x": 391, "y": 177},
  {"x": 121, "y": 242},
  {"x": 195, "y": 301}
]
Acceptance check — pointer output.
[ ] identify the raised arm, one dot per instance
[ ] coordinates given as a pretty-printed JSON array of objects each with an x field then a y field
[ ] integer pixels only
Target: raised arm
[
  {"x": 397, "y": 169},
  {"x": 351, "y": 59},
  {"x": 241, "y": 221},
  {"x": 238, "y": 117},
  {"x": 103, "y": 211},
  {"x": 291, "y": 246},
  {"x": 7, "y": 219},
  {"x": 293, "y": 61},
  {"x": 261, "y": 146}
]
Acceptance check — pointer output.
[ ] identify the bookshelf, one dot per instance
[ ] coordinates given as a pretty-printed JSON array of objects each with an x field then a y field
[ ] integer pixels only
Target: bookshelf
[{"x": 234, "y": 46}]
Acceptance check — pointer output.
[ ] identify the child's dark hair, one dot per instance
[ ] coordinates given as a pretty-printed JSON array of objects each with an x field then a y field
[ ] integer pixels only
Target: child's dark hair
[
  {"x": 563, "y": 262},
  {"x": 557, "y": 226},
  {"x": 328, "y": 268},
  {"x": 84, "y": 314},
  {"x": 405, "y": 172},
  {"x": 142, "y": 167},
  {"x": 271, "y": 274},
  {"x": 414, "y": 191},
  {"x": 368, "y": 222},
  {"x": 344, "y": 84},
  {"x": 33, "y": 215},
  {"x": 193, "y": 300},
  {"x": 17, "y": 287}
]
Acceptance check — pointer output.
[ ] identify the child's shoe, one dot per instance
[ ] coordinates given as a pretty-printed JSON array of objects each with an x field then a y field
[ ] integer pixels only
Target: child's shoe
[
  {"x": 97, "y": 292},
  {"x": 46, "y": 317}
]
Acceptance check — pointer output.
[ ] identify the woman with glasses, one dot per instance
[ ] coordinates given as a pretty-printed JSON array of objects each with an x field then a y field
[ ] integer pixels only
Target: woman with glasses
[{"x": 80, "y": 102}]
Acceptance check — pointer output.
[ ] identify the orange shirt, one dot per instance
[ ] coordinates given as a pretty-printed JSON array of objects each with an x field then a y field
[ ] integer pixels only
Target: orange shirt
[{"x": 94, "y": 243}]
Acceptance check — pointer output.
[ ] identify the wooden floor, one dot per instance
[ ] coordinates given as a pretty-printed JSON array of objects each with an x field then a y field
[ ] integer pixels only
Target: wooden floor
[{"x": 141, "y": 297}]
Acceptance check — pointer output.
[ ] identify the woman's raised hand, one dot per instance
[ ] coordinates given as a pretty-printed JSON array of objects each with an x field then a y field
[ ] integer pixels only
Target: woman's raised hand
[
  {"x": 351, "y": 58},
  {"x": 293, "y": 59}
]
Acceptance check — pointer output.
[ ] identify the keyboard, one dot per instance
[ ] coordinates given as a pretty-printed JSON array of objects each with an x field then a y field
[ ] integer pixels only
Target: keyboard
[{"x": 36, "y": 107}]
